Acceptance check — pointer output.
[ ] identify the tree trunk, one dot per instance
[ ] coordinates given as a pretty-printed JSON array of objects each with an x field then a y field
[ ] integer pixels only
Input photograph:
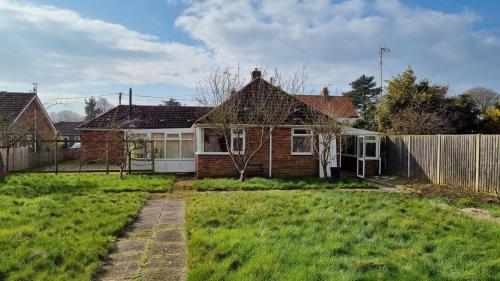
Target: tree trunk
[
  {"x": 242, "y": 175},
  {"x": 325, "y": 170},
  {"x": 2, "y": 169}
]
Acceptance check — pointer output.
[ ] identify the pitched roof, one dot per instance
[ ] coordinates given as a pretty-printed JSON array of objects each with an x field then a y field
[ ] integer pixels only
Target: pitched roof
[
  {"x": 67, "y": 128},
  {"x": 333, "y": 106},
  {"x": 259, "y": 87},
  {"x": 146, "y": 117},
  {"x": 12, "y": 104}
]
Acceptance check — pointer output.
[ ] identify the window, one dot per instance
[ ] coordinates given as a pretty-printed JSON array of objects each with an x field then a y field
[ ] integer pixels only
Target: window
[
  {"x": 371, "y": 147},
  {"x": 187, "y": 145},
  {"x": 301, "y": 141},
  {"x": 173, "y": 146},
  {"x": 349, "y": 145},
  {"x": 213, "y": 142},
  {"x": 238, "y": 141},
  {"x": 139, "y": 146},
  {"x": 158, "y": 140}
]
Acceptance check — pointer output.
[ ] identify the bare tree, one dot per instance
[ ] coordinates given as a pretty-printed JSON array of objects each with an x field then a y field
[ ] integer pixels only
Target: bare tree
[
  {"x": 256, "y": 109},
  {"x": 325, "y": 129},
  {"x": 419, "y": 120},
  {"x": 67, "y": 116},
  {"x": 483, "y": 97}
]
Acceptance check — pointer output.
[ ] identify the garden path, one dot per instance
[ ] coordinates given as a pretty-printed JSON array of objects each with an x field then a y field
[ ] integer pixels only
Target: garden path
[{"x": 154, "y": 247}]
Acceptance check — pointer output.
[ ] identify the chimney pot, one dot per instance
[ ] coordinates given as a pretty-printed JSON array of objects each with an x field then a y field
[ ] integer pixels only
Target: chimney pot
[
  {"x": 256, "y": 73},
  {"x": 325, "y": 92}
]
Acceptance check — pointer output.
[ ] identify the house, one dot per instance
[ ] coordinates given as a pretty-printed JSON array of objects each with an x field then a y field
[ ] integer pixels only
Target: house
[
  {"x": 25, "y": 122},
  {"x": 68, "y": 132},
  {"x": 183, "y": 140}
]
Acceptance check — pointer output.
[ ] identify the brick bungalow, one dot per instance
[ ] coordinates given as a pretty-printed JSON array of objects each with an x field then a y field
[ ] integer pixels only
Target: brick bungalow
[
  {"x": 23, "y": 116},
  {"x": 183, "y": 140}
]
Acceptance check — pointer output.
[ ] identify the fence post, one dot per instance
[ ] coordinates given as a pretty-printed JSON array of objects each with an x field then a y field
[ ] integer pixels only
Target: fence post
[
  {"x": 153, "y": 156},
  {"x": 478, "y": 151},
  {"x": 438, "y": 168},
  {"x": 408, "y": 153},
  {"x": 56, "y": 156}
]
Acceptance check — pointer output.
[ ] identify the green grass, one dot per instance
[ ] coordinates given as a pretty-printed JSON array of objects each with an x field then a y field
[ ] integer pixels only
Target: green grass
[
  {"x": 41, "y": 183},
  {"x": 231, "y": 184},
  {"x": 335, "y": 235},
  {"x": 60, "y": 227}
]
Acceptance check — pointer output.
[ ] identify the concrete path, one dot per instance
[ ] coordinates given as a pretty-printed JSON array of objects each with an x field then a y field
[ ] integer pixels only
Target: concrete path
[{"x": 154, "y": 247}]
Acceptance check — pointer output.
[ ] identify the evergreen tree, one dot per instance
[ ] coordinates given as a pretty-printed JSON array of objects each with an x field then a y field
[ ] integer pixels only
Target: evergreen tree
[
  {"x": 171, "y": 102},
  {"x": 91, "y": 109},
  {"x": 364, "y": 96}
]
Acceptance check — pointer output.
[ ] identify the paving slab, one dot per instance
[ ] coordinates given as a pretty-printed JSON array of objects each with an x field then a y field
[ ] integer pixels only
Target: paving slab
[{"x": 153, "y": 248}]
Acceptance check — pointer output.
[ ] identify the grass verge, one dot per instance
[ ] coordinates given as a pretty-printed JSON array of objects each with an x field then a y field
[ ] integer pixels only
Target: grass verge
[
  {"x": 60, "y": 227},
  {"x": 230, "y": 184},
  {"x": 40, "y": 183},
  {"x": 332, "y": 235}
]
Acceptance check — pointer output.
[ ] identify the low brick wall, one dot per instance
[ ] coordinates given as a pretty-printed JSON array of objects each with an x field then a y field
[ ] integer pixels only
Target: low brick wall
[{"x": 283, "y": 163}]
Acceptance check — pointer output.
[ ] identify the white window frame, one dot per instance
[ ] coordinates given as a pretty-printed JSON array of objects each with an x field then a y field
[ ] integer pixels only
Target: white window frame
[
  {"x": 234, "y": 136},
  {"x": 355, "y": 146},
  {"x": 377, "y": 147},
  {"x": 300, "y": 135}
]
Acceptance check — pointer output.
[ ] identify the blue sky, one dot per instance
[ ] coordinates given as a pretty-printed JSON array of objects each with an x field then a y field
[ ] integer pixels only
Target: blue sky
[{"x": 165, "y": 48}]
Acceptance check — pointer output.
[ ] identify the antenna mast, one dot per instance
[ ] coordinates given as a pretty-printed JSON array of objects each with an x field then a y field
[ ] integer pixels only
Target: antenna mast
[
  {"x": 35, "y": 87},
  {"x": 382, "y": 50}
]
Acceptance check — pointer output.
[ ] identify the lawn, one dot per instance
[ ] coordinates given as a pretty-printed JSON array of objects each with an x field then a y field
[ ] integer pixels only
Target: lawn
[
  {"x": 61, "y": 227},
  {"x": 231, "y": 184},
  {"x": 41, "y": 183},
  {"x": 335, "y": 235}
]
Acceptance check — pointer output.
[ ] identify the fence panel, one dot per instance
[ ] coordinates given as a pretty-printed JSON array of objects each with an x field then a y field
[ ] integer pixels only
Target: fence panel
[
  {"x": 458, "y": 159},
  {"x": 489, "y": 163},
  {"x": 469, "y": 161},
  {"x": 397, "y": 156}
]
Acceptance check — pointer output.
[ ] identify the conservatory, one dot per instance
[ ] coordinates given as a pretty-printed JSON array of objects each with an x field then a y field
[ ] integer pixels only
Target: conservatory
[{"x": 360, "y": 152}]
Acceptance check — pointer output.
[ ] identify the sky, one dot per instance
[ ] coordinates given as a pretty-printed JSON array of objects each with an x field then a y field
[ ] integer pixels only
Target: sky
[{"x": 166, "y": 48}]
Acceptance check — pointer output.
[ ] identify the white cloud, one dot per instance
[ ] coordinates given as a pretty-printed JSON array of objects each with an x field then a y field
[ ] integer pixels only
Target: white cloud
[
  {"x": 339, "y": 41},
  {"x": 60, "y": 48},
  {"x": 63, "y": 50}
]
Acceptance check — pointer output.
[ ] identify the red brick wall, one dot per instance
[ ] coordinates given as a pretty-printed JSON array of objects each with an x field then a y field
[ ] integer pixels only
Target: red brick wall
[
  {"x": 93, "y": 146},
  {"x": 349, "y": 164},
  {"x": 283, "y": 163},
  {"x": 44, "y": 130}
]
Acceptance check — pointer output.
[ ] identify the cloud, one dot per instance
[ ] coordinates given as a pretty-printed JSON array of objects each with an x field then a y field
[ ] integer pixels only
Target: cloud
[
  {"x": 339, "y": 41},
  {"x": 62, "y": 49}
]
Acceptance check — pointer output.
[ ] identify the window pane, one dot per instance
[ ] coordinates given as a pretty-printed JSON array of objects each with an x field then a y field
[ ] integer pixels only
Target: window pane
[
  {"x": 138, "y": 149},
  {"x": 213, "y": 142},
  {"x": 157, "y": 136},
  {"x": 187, "y": 149},
  {"x": 173, "y": 149},
  {"x": 187, "y": 136},
  {"x": 159, "y": 149},
  {"x": 369, "y": 137},
  {"x": 371, "y": 149},
  {"x": 300, "y": 132},
  {"x": 237, "y": 143},
  {"x": 139, "y": 136},
  {"x": 349, "y": 145},
  {"x": 301, "y": 144},
  {"x": 172, "y": 136}
]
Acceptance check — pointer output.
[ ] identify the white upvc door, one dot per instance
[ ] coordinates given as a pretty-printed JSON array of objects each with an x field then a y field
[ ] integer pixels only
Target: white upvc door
[
  {"x": 333, "y": 158},
  {"x": 360, "y": 159}
]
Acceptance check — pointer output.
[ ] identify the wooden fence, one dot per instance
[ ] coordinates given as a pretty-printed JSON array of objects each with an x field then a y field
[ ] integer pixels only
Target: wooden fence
[
  {"x": 469, "y": 161},
  {"x": 22, "y": 158}
]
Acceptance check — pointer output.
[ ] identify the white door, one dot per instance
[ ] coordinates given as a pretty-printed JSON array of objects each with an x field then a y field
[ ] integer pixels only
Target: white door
[{"x": 360, "y": 159}]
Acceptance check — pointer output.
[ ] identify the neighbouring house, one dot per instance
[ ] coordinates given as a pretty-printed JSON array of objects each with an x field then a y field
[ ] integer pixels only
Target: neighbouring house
[
  {"x": 68, "y": 132},
  {"x": 183, "y": 140},
  {"x": 24, "y": 121}
]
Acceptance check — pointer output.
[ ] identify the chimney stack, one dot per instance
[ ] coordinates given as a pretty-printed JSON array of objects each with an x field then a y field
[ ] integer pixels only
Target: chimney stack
[
  {"x": 325, "y": 92},
  {"x": 256, "y": 73}
]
